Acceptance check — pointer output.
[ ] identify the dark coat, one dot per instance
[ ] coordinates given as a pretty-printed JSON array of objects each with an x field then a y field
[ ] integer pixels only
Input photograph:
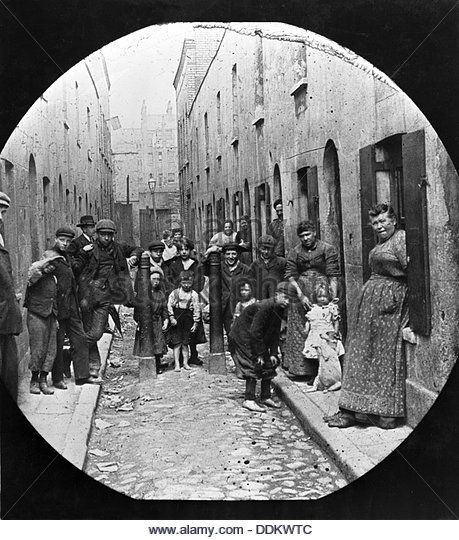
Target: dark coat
[
  {"x": 276, "y": 230},
  {"x": 322, "y": 257},
  {"x": 230, "y": 282},
  {"x": 176, "y": 267},
  {"x": 257, "y": 329},
  {"x": 76, "y": 245},
  {"x": 67, "y": 299},
  {"x": 10, "y": 314},
  {"x": 256, "y": 333},
  {"x": 41, "y": 296},
  {"x": 267, "y": 276},
  {"x": 117, "y": 290}
]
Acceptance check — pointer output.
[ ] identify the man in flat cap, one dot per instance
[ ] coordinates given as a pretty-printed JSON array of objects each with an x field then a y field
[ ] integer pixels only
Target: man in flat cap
[
  {"x": 276, "y": 229},
  {"x": 10, "y": 314},
  {"x": 232, "y": 271},
  {"x": 69, "y": 318},
  {"x": 104, "y": 280},
  {"x": 87, "y": 226},
  {"x": 268, "y": 269}
]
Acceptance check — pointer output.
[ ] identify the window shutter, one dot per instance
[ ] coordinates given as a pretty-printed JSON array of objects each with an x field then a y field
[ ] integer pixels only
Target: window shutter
[
  {"x": 313, "y": 198},
  {"x": 367, "y": 199},
  {"x": 415, "y": 185}
]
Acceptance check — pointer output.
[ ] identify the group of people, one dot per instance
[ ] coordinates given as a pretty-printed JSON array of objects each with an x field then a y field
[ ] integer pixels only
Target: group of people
[{"x": 277, "y": 309}]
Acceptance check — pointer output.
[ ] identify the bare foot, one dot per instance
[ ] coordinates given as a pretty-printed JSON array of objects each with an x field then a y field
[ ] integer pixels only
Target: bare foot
[
  {"x": 187, "y": 367},
  {"x": 177, "y": 369}
]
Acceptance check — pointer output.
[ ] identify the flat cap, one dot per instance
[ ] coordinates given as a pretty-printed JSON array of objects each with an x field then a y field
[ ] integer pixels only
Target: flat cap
[
  {"x": 231, "y": 246},
  {"x": 4, "y": 199},
  {"x": 65, "y": 231},
  {"x": 286, "y": 288},
  {"x": 266, "y": 240},
  {"x": 156, "y": 244},
  {"x": 105, "y": 225}
]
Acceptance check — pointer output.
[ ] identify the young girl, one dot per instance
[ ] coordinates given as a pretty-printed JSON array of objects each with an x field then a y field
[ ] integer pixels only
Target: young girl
[
  {"x": 246, "y": 297},
  {"x": 184, "y": 314},
  {"x": 160, "y": 320},
  {"x": 321, "y": 318}
]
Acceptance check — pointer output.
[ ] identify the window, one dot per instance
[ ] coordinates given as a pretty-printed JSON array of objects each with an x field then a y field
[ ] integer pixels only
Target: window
[
  {"x": 88, "y": 120},
  {"x": 234, "y": 89},
  {"x": 206, "y": 134},
  {"x": 308, "y": 196}
]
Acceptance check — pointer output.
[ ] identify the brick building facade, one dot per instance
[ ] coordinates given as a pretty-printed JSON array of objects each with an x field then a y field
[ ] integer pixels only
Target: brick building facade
[
  {"x": 140, "y": 155},
  {"x": 284, "y": 112}
]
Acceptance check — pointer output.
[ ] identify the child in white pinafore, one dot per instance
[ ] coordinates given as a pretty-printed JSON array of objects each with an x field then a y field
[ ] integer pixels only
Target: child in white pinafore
[{"x": 323, "y": 317}]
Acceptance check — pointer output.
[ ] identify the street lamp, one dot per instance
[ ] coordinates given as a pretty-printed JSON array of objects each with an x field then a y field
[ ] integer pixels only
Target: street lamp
[{"x": 152, "y": 188}]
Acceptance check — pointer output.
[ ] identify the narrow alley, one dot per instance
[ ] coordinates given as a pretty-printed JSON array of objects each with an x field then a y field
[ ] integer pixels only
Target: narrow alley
[{"x": 189, "y": 438}]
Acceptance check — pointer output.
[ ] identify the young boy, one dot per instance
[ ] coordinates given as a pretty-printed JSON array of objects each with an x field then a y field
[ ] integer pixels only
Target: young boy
[
  {"x": 254, "y": 345},
  {"x": 40, "y": 301}
]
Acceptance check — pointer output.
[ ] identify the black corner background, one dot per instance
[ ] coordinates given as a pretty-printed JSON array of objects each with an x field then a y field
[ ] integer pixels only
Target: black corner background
[{"x": 40, "y": 40}]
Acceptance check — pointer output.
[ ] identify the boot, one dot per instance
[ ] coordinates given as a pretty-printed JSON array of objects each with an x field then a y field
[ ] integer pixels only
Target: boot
[
  {"x": 34, "y": 385},
  {"x": 43, "y": 384}
]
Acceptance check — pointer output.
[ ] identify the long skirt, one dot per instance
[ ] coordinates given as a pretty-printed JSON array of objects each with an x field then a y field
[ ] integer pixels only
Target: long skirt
[
  {"x": 159, "y": 341},
  {"x": 374, "y": 365},
  {"x": 293, "y": 358}
]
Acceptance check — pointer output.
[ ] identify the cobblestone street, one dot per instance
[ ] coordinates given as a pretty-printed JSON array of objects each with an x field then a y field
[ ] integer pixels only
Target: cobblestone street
[{"x": 189, "y": 438}]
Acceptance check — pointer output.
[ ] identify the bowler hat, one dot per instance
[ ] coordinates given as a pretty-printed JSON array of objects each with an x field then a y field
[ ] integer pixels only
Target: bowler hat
[
  {"x": 266, "y": 240},
  {"x": 105, "y": 225},
  {"x": 4, "y": 199},
  {"x": 156, "y": 244},
  {"x": 86, "y": 221},
  {"x": 231, "y": 245},
  {"x": 65, "y": 231}
]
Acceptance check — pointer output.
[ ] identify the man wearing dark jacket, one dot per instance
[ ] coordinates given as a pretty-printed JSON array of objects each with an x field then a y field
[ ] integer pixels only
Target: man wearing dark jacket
[
  {"x": 268, "y": 269},
  {"x": 276, "y": 229},
  {"x": 232, "y": 272},
  {"x": 87, "y": 226},
  {"x": 69, "y": 318},
  {"x": 10, "y": 314},
  {"x": 104, "y": 280}
]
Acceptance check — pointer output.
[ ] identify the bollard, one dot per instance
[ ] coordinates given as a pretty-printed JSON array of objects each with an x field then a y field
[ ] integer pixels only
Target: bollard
[
  {"x": 144, "y": 344},
  {"x": 217, "y": 359}
]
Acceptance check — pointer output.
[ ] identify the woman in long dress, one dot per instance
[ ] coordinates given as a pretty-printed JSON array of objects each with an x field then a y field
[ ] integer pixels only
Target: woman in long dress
[
  {"x": 309, "y": 263},
  {"x": 373, "y": 390}
]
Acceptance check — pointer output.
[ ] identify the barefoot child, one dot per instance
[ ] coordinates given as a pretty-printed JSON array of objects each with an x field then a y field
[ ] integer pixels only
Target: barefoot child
[
  {"x": 184, "y": 313},
  {"x": 254, "y": 345},
  {"x": 246, "y": 297},
  {"x": 40, "y": 301}
]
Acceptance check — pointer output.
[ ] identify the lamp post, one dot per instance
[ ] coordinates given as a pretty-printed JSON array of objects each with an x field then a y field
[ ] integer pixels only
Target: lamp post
[{"x": 152, "y": 188}]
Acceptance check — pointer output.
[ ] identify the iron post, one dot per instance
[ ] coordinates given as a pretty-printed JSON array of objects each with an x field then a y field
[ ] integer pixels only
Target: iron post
[
  {"x": 144, "y": 345},
  {"x": 217, "y": 360}
]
